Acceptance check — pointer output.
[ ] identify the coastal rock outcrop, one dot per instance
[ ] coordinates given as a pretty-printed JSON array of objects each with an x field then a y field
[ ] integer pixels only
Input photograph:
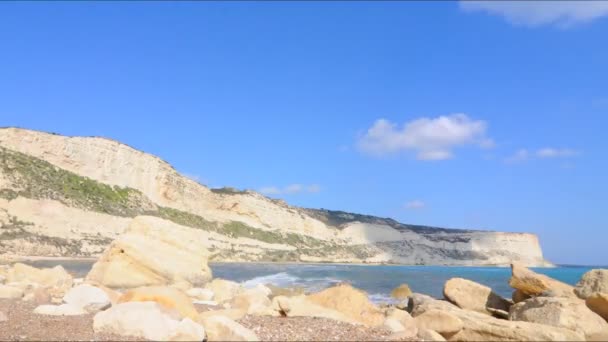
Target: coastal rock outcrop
[
  {"x": 533, "y": 284},
  {"x": 569, "y": 313},
  {"x": 152, "y": 252},
  {"x": 594, "y": 281},
  {"x": 470, "y": 295}
]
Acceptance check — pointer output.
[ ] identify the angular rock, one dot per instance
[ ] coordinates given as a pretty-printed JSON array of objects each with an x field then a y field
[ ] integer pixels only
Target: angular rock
[
  {"x": 57, "y": 280},
  {"x": 470, "y": 295},
  {"x": 430, "y": 335},
  {"x": 442, "y": 322},
  {"x": 401, "y": 292},
  {"x": 598, "y": 303},
  {"x": 253, "y": 301},
  {"x": 10, "y": 292},
  {"x": 481, "y": 327},
  {"x": 224, "y": 290},
  {"x": 87, "y": 297},
  {"x": 200, "y": 294},
  {"x": 221, "y": 328},
  {"x": 168, "y": 297},
  {"x": 145, "y": 320},
  {"x": 534, "y": 284},
  {"x": 152, "y": 251},
  {"x": 59, "y": 310},
  {"x": 594, "y": 281},
  {"x": 568, "y": 313},
  {"x": 349, "y": 301}
]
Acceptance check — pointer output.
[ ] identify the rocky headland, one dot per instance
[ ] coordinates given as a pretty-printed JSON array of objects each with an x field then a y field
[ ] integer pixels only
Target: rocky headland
[{"x": 72, "y": 196}]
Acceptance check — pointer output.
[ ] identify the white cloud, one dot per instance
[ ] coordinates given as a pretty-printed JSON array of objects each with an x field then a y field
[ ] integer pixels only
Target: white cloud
[
  {"x": 543, "y": 153},
  {"x": 429, "y": 138},
  {"x": 536, "y": 13},
  {"x": 556, "y": 153},
  {"x": 415, "y": 205},
  {"x": 519, "y": 156},
  {"x": 290, "y": 189}
]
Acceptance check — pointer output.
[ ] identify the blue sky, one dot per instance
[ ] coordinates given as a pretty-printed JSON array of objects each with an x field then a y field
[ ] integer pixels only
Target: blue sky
[{"x": 465, "y": 115}]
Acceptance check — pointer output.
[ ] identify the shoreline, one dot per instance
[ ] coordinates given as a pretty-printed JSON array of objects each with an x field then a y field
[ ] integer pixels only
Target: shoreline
[{"x": 14, "y": 259}]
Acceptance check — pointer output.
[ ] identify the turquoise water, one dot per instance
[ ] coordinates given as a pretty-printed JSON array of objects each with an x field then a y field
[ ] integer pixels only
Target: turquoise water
[{"x": 377, "y": 281}]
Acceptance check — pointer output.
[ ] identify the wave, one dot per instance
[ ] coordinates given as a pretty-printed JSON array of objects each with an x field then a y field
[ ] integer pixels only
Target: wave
[{"x": 282, "y": 279}]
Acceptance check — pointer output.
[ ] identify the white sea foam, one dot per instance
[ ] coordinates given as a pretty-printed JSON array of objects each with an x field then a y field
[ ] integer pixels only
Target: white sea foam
[
  {"x": 282, "y": 279},
  {"x": 382, "y": 298}
]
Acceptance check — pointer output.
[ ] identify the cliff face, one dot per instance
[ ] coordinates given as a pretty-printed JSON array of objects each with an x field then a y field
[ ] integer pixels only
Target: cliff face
[{"x": 71, "y": 196}]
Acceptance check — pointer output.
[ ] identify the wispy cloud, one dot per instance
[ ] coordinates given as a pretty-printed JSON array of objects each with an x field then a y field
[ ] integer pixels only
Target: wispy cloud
[
  {"x": 415, "y": 205},
  {"x": 429, "y": 138},
  {"x": 519, "y": 156},
  {"x": 543, "y": 153},
  {"x": 556, "y": 153},
  {"x": 536, "y": 13},
  {"x": 290, "y": 189}
]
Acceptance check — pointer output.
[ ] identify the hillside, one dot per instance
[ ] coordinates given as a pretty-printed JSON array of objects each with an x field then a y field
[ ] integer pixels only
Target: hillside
[{"x": 71, "y": 196}]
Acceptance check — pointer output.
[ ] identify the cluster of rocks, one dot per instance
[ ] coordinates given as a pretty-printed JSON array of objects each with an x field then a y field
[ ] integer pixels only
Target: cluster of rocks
[
  {"x": 541, "y": 309},
  {"x": 156, "y": 285}
]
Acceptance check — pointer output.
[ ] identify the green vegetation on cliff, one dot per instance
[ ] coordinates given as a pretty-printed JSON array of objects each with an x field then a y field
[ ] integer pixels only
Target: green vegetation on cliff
[{"x": 34, "y": 178}]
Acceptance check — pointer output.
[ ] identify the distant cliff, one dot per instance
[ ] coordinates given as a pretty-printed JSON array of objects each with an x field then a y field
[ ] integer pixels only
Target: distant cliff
[{"x": 71, "y": 196}]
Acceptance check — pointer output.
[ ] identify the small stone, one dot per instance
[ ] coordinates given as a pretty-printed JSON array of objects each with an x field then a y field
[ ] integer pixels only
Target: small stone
[{"x": 59, "y": 310}]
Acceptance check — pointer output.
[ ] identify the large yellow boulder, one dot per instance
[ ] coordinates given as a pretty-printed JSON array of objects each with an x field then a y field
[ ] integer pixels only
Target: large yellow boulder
[
  {"x": 351, "y": 302},
  {"x": 534, "y": 284},
  {"x": 598, "y": 303},
  {"x": 153, "y": 251},
  {"x": 168, "y": 297},
  {"x": 470, "y": 295}
]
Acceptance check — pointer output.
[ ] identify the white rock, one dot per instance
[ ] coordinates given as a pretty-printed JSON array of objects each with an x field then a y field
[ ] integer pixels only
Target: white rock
[
  {"x": 145, "y": 320},
  {"x": 59, "y": 310},
  {"x": 188, "y": 330},
  {"x": 200, "y": 294},
  {"x": 87, "y": 297},
  {"x": 10, "y": 292}
]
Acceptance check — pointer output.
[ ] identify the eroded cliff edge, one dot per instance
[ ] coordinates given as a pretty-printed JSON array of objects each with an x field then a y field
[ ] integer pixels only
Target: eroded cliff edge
[{"x": 71, "y": 196}]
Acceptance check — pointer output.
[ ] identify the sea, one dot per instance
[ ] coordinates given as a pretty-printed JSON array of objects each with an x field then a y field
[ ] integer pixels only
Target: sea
[{"x": 377, "y": 280}]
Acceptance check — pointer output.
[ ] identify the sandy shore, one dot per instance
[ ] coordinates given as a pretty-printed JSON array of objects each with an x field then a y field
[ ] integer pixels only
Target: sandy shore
[{"x": 24, "y": 325}]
